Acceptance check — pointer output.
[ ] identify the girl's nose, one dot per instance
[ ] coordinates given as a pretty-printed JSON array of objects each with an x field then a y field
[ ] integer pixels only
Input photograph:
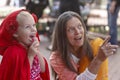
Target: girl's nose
[{"x": 33, "y": 28}]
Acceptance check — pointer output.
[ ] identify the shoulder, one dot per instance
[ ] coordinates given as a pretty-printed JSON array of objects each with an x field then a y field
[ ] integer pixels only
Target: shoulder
[
  {"x": 15, "y": 51},
  {"x": 55, "y": 57},
  {"x": 95, "y": 44},
  {"x": 16, "y": 48},
  {"x": 55, "y": 54}
]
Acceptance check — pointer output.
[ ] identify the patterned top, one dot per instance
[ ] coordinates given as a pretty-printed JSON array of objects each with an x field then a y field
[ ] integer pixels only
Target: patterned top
[
  {"x": 35, "y": 71},
  {"x": 63, "y": 73}
]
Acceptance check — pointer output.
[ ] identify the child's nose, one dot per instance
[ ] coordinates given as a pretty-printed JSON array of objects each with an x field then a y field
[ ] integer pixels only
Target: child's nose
[{"x": 33, "y": 29}]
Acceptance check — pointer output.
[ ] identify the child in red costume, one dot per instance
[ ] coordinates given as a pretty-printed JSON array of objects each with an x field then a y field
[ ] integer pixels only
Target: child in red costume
[{"x": 19, "y": 46}]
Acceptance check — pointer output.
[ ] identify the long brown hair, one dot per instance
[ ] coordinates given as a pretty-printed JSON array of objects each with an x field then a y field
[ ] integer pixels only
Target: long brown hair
[{"x": 60, "y": 42}]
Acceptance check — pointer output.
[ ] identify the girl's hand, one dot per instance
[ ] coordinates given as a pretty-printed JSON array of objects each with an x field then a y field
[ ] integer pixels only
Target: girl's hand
[
  {"x": 34, "y": 48},
  {"x": 106, "y": 50}
]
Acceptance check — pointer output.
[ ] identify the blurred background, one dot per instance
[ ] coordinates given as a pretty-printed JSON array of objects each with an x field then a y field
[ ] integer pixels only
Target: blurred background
[{"x": 93, "y": 12}]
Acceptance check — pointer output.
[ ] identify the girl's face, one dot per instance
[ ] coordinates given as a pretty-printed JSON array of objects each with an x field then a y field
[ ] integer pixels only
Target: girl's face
[
  {"x": 75, "y": 33},
  {"x": 26, "y": 32}
]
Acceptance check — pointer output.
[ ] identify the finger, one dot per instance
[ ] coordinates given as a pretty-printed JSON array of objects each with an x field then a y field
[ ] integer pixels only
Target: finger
[
  {"x": 36, "y": 44},
  {"x": 111, "y": 50},
  {"x": 113, "y": 46},
  {"x": 35, "y": 39},
  {"x": 110, "y": 53},
  {"x": 106, "y": 40}
]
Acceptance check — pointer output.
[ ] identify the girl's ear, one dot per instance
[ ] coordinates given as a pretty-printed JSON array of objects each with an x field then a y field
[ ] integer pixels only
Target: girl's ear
[{"x": 15, "y": 35}]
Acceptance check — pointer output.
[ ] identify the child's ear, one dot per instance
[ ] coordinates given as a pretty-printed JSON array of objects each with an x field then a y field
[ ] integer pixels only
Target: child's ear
[{"x": 15, "y": 35}]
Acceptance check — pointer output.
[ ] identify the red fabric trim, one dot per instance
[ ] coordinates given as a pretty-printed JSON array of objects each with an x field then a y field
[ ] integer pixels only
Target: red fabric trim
[{"x": 46, "y": 74}]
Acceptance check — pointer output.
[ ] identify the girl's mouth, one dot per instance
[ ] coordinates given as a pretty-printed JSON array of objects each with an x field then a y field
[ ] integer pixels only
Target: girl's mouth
[{"x": 32, "y": 38}]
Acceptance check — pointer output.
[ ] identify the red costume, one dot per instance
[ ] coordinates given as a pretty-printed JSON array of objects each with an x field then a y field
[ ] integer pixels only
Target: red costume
[{"x": 15, "y": 64}]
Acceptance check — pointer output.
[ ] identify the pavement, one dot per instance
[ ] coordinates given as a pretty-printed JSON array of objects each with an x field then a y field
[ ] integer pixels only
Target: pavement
[{"x": 114, "y": 64}]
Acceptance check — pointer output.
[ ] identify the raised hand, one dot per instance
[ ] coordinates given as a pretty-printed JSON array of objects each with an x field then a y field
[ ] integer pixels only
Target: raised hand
[
  {"x": 34, "y": 48},
  {"x": 106, "y": 49}
]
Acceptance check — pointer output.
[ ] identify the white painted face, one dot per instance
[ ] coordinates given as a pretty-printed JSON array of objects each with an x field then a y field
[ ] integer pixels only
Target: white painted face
[
  {"x": 26, "y": 31},
  {"x": 75, "y": 32}
]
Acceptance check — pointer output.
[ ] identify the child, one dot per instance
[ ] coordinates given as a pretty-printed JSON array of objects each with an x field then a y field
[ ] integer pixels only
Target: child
[{"x": 19, "y": 46}]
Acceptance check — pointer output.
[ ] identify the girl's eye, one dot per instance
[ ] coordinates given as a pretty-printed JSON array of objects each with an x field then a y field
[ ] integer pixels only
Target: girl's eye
[
  {"x": 30, "y": 26},
  {"x": 34, "y": 25},
  {"x": 27, "y": 26}
]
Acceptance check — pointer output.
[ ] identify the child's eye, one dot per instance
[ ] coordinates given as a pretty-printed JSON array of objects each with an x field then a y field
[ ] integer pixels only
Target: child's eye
[
  {"x": 34, "y": 25},
  {"x": 27, "y": 26}
]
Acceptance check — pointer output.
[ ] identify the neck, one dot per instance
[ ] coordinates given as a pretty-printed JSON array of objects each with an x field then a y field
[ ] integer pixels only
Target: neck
[{"x": 78, "y": 52}]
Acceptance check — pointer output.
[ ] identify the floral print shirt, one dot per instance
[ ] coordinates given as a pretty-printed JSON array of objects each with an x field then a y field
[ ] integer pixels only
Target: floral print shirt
[{"x": 35, "y": 70}]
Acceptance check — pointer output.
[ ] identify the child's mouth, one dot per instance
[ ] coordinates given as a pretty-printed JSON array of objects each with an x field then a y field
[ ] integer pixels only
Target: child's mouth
[{"x": 32, "y": 38}]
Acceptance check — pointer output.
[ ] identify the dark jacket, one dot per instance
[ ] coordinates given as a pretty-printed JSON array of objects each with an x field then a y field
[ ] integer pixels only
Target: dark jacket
[
  {"x": 69, "y": 5},
  {"x": 37, "y": 7}
]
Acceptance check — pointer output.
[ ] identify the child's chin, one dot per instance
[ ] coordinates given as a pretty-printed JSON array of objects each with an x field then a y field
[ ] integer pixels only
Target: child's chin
[{"x": 29, "y": 44}]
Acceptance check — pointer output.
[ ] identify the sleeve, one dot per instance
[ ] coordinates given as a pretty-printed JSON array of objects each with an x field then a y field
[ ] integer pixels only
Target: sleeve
[
  {"x": 103, "y": 71},
  {"x": 59, "y": 67},
  {"x": 86, "y": 75},
  {"x": 45, "y": 75}
]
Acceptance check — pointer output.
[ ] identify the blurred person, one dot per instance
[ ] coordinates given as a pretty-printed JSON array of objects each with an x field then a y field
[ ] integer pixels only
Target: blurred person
[
  {"x": 55, "y": 9},
  {"x": 16, "y": 3},
  {"x": 8, "y": 2},
  {"x": 69, "y": 5},
  {"x": 36, "y": 6},
  {"x": 113, "y": 8},
  {"x": 73, "y": 56},
  {"x": 19, "y": 46}
]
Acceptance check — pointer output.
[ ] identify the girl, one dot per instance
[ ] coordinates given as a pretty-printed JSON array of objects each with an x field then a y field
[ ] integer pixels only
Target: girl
[{"x": 19, "y": 46}]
